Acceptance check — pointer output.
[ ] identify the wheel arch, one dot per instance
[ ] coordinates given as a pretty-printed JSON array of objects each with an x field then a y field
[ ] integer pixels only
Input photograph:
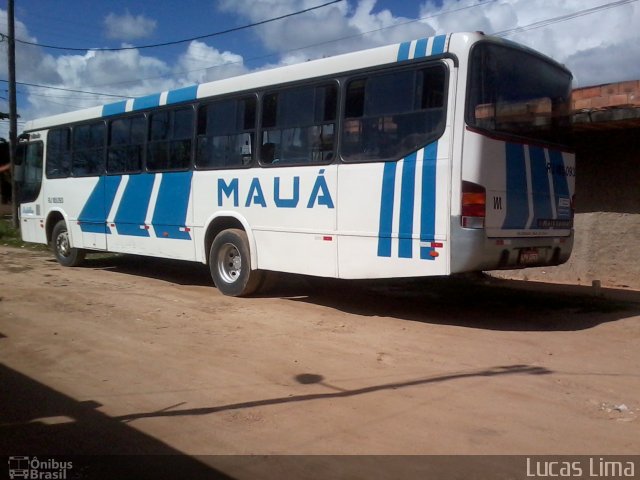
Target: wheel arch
[
  {"x": 223, "y": 221},
  {"x": 52, "y": 219}
]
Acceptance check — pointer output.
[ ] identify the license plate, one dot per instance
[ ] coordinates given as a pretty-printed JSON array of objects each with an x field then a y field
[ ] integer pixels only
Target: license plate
[{"x": 530, "y": 256}]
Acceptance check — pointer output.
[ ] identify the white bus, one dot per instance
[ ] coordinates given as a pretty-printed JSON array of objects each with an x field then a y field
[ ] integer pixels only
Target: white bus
[{"x": 429, "y": 157}]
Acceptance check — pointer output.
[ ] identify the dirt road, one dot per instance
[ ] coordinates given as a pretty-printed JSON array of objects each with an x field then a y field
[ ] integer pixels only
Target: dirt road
[{"x": 135, "y": 355}]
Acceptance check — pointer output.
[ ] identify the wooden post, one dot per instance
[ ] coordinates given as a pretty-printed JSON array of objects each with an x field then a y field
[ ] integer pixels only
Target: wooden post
[{"x": 13, "y": 114}]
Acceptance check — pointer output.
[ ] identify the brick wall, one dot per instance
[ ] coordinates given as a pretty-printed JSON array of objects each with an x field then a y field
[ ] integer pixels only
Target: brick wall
[{"x": 624, "y": 94}]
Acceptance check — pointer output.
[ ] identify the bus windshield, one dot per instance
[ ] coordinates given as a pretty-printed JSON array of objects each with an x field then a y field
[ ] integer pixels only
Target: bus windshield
[
  {"x": 28, "y": 171},
  {"x": 515, "y": 92}
]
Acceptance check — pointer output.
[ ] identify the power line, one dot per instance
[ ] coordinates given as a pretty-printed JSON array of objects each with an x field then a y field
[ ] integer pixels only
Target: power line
[
  {"x": 562, "y": 18},
  {"x": 68, "y": 89},
  {"x": 482, "y": 3},
  {"x": 176, "y": 42},
  {"x": 47, "y": 95},
  {"x": 348, "y": 37},
  {"x": 503, "y": 33}
]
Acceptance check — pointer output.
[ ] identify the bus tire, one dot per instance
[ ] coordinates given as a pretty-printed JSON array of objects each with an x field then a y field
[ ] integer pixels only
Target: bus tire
[
  {"x": 230, "y": 264},
  {"x": 65, "y": 254}
]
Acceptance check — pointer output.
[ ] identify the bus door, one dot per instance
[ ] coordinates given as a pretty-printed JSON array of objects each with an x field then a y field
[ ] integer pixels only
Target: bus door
[{"x": 28, "y": 180}]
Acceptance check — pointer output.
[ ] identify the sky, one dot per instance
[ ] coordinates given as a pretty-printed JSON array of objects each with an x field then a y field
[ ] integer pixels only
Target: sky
[{"x": 599, "y": 40}]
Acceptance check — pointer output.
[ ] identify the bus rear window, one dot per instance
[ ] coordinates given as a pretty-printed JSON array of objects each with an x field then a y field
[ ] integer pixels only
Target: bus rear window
[{"x": 514, "y": 92}]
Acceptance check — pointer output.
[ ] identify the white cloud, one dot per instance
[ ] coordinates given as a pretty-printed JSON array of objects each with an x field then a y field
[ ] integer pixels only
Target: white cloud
[
  {"x": 599, "y": 48},
  {"x": 30, "y": 61},
  {"x": 128, "y": 27},
  {"x": 202, "y": 63},
  {"x": 326, "y": 31},
  {"x": 105, "y": 72},
  {"x": 382, "y": 27},
  {"x": 589, "y": 67},
  {"x": 125, "y": 73},
  {"x": 586, "y": 44}
]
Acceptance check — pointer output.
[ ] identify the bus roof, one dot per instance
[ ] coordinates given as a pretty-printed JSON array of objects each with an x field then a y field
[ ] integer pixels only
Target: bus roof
[{"x": 281, "y": 75}]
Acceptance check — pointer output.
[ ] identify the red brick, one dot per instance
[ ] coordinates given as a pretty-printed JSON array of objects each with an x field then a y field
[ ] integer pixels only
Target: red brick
[
  {"x": 589, "y": 92},
  {"x": 600, "y": 102},
  {"x": 605, "y": 96},
  {"x": 577, "y": 94},
  {"x": 620, "y": 99},
  {"x": 611, "y": 89},
  {"x": 629, "y": 87},
  {"x": 582, "y": 104}
]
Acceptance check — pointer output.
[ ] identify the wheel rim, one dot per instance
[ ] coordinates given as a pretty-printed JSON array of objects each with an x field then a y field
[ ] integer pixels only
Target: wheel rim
[
  {"x": 62, "y": 244},
  {"x": 229, "y": 263}
]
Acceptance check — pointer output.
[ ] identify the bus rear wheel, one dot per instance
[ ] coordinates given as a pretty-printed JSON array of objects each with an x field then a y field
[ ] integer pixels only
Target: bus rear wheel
[
  {"x": 230, "y": 264},
  {"x": 65, "y": 254}
]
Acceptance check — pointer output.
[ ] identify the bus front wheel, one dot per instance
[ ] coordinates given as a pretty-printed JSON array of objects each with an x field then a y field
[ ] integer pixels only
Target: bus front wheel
[
  {"x": 65, "y": 254},
  {"x": 230, "y": 264}
]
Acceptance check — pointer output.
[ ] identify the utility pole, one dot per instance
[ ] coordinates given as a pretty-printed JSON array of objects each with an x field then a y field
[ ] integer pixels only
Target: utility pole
[{"x": 13, "y": 114}]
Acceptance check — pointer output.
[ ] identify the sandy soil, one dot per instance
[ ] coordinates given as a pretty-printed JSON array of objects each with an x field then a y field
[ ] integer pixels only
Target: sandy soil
[{"x": 135, "y": 355}]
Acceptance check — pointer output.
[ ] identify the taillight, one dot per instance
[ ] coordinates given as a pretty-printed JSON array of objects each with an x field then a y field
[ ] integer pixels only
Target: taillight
[{"x": 474, "y": 201}]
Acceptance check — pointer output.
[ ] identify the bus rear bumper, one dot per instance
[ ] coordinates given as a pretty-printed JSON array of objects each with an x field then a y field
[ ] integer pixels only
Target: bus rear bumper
[{"x": 473, "y": 251}]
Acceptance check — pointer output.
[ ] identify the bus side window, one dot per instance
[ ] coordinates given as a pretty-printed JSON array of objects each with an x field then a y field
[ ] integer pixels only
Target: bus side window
[
  {"x": 298, "y": 125},
  {"x": 226, "y": 133},
  {"x": 126, "y": 140},
  {"x": 170, "y": 140},
  {"x": 58, "y": 153},
  {"x": 88, "y": 149},
  {"x": 389, "y": 115}
]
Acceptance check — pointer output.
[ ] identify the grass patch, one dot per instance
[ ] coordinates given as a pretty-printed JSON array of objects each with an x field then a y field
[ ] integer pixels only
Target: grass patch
[{"x": 10, "y": 237}]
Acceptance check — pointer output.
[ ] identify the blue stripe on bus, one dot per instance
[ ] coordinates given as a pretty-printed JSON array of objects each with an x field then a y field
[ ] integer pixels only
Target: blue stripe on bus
[
  {"x": 182, "y": 94},
  {"x": 517, "y": 197},
  {"x": 428, "y": 201},
  {"x": 170, "y": 212},
  {"x": 150, "y": 101},
  {"x": 438, "y": 44},
  {"x": 403, "y": 51},
  {"x": 421, "y": 48},
  {"x": 560, "y": 183},
  {"x": 540, "y": 185},
  {"x": 407, "y": 202},
  {"x": 110, "y": 189},
  {"x": 93, "y": 216},
  {"x": 386, "y": 209},
  {"x": 114, "y": 108},
  {"x": 86, "y": 226},
  {"x": 132, "y": 210}
]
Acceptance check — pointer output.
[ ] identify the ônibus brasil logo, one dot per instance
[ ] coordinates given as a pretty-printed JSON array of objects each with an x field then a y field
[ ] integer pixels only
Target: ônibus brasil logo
[{"x": 38, "y": 469}]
